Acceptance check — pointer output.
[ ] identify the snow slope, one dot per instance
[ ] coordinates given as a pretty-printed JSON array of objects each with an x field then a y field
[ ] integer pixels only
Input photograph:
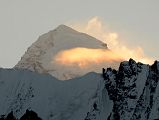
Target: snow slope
[
  {"x": 39, "y": 55},
  {"x": 50, "y": 98},
  {"x": 130, "y": 93}
]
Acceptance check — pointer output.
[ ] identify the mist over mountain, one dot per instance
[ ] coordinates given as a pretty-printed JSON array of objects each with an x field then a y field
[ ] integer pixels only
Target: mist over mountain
[{"x": 40, "y": 55}]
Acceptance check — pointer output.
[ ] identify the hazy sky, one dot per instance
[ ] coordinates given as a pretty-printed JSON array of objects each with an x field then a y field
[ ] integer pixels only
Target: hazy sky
[{"x": 22, "y": 21}]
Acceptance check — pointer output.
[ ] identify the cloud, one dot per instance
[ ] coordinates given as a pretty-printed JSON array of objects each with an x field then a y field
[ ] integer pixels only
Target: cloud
[
  {"x": 95, "y": 27},
  {"x": 85, "y": 57}
]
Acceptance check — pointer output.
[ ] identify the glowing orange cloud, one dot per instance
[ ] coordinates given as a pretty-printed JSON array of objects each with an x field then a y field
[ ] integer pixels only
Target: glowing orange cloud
[
  {"x": 96, "y": 28},
  {"x": 83, "y": 57}
]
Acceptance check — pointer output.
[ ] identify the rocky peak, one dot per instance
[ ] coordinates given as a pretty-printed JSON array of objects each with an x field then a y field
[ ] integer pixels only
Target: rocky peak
[
  {"x": 128, "y": 67},
  {"x": 155, "y": 67},
  {"x": 134, "y": 91}
]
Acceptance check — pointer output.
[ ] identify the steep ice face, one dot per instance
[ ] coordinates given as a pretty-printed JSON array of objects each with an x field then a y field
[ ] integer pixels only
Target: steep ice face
[
  {"x": 134, "y": 91},
  {"x": 52, "y": 99},
  {"x": 40, "y": 55}
]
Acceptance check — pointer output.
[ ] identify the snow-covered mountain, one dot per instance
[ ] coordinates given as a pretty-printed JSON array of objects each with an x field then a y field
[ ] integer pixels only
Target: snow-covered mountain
[
  {"x": 50, "y": 98},
  {"x": 40, "y": 55},
  {"x": 130, "y": 93}
]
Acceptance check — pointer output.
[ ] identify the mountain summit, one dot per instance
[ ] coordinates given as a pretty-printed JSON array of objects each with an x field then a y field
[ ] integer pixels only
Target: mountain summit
[
  {"x": 39, "y": 56},
  {"x": 65, "y": 28}
]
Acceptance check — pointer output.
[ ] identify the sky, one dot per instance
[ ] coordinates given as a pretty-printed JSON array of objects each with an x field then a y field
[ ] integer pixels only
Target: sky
[{"x": 23, "y": 21}]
